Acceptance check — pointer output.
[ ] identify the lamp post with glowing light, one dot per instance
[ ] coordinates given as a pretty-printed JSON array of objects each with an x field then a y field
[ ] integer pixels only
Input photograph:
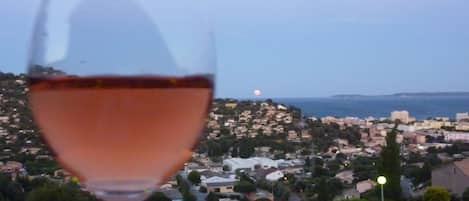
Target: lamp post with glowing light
[{"x": 381, "y": 181}]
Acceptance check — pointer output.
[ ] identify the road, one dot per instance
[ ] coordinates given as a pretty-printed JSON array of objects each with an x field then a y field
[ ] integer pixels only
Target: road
[
  {"x": 200, "y": 196},
  {"x": 294, "y": 197}
]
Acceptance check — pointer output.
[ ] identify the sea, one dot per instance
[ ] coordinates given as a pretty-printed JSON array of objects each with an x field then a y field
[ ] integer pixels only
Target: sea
[{"x": 419, "y": 107}]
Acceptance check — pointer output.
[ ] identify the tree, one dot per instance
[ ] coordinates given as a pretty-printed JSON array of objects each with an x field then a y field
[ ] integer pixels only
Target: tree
[
  {"x": 234, "y": 152},
  {"x": 425, "y": 173},
  {"x": 306, "y": 152},
  {"x": 59, "y": 193},
  {"x": 10, "y": 190},
  {"x": 158, "y": 196},
  {"x": 341, "y": 156},
  {"x": 281, "y": 191},
  {"x": 214, "y": 149},
  {"x": 334, "y": 165},
  {"x": 390, "y": 166},
  {"x": 187, "y": 196},
  {"x": 364, "y": 168},
  {"x": 435, "y": 193},
  {"x": 246, "y": 149},
  {"x": 211, "y": 197},
  {"x": 244, "y": 187},
  {"x": 307, "y": 163},
  {"x": 194, "y": 177},
  {"x": 38, "y": 167},
  {"x": 465, "y": 195},
  {"x": 327, "y": 189}
]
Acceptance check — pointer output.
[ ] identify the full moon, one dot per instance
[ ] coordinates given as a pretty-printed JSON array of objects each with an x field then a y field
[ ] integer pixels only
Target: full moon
[{"x": 257, "y": 92}]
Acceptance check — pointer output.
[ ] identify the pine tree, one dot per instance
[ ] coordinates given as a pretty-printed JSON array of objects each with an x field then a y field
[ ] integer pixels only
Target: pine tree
[
  {"x": 390, "y": 166},
  {"x": 234, "y": 152},
  {"x": 194, "y": 177},
  {"x": 211, "y": 197},
  {"x": 246, "y": 149}
]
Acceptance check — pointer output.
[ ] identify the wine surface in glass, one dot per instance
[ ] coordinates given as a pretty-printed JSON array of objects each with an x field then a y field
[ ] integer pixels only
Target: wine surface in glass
[{"x": 130, "y": 132}]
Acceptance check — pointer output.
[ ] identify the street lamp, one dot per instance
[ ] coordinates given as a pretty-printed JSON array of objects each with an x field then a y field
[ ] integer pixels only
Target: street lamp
[{"x": 381, "y": 181}]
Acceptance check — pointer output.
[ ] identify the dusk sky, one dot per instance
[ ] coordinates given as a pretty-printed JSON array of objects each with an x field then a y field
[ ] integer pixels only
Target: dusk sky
[{"x": 312, "y": 48}]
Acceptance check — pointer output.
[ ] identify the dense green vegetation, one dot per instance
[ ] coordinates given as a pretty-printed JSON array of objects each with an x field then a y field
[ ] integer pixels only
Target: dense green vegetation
[
  {"x": 158, "y": 196},
  {"x": 365, "y": 168},
  {"x": 465, "y": 195},
  {"x": 194, "y": 177},
  {"x": 184, "y": 188},
  {"x": 40, "y": 189},
  {"x": 211, "y": 197},
  {"x": 436, "y": 194}
]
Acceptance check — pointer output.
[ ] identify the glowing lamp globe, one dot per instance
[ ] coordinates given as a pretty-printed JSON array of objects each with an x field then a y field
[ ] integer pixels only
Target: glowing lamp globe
[{"x": 382, "y": 180}]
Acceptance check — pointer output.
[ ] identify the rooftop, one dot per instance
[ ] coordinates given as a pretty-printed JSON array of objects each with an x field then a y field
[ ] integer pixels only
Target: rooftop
[{"x": 463, "y": 166}]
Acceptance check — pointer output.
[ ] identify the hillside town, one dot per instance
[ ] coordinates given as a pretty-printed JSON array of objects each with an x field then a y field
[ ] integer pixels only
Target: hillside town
[{"x": 263, "y": 150}]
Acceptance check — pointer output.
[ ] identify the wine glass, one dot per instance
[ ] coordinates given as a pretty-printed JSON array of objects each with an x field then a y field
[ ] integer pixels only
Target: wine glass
[{"x": 120, "y": 89}]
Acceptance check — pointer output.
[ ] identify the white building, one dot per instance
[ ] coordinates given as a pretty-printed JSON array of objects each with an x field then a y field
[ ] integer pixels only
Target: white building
[
  {"x": 456, "y": 136},
  {"x": 281, "y": 107},
  {"x": 403, "y": 116},
  {"x": 274, "y": 176},
  {"x": 406, "y": 128},
  {"x": 462, "y": 126},
  {"x": 249, "y": 163},
  {"x": 220, "y": 184},
  {"x": 462, "y": 116}
]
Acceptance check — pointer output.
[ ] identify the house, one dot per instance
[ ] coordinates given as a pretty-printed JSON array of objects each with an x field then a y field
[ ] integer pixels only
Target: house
[
  {"x": 220, "y": 184},
  {"x": 261, "y": 173},
  {"x": 346, "y": 176},
  {"x": 292, "y": 169},
  {"x": 462, "y": 126},
  {"x": 194, "y": 167},
  {"x": 274, "y": 176},
  {"x": 231, "y": 105},
  {"x": 456, "y": 136},
  {"x": 350, "y": 193},
  {"x": 216, "y": 167},
  {"x": 306, "y": 135},
  {"x": 453, "y": 176},
  {"x": 209, "y": 174},
  {"x": 293, "y": 136},
  {"x": 261, "y": 195},
  {"x": 421, "y": 139},
  {"x": 249, "y": 164},
  {"x": 365, "y": 186},
  {"x": 281, "y": 107},
  {"x": 11, "y": 167}
]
